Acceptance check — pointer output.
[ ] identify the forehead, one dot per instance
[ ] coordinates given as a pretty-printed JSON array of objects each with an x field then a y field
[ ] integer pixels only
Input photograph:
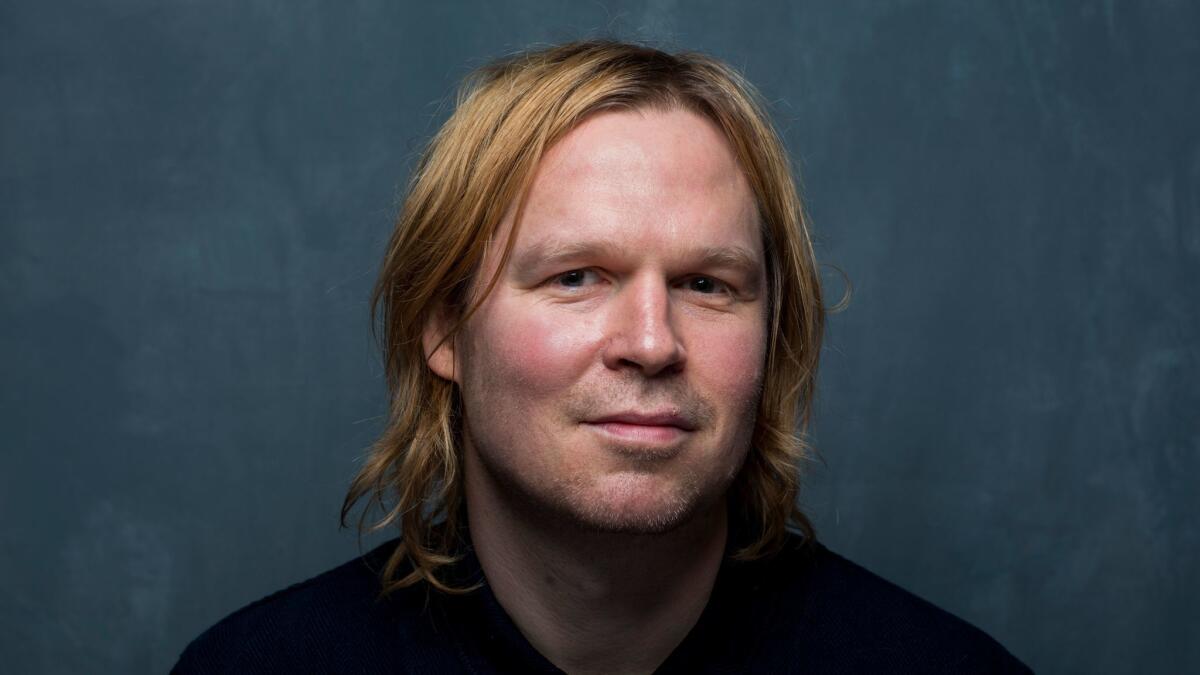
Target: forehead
[{"x": 653, "y": 182}]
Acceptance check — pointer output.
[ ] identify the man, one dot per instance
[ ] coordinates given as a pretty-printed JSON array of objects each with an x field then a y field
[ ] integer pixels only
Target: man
[{"x": 601, "y": 325}]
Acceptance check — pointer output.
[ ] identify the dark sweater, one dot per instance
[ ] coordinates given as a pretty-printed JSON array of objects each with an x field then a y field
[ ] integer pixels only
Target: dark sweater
[{"x": 805, "y": 610}]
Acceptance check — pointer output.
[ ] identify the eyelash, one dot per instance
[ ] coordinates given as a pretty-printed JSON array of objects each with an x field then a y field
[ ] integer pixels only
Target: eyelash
[{"x": 722, "y": 288}]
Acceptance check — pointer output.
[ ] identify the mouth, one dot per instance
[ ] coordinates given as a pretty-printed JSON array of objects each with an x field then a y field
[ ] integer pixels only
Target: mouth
[{"x": 653, "y": 428}]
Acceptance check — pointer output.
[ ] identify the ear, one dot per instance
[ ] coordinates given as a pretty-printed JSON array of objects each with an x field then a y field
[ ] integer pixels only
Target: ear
[{"x": 439, "y": 351}]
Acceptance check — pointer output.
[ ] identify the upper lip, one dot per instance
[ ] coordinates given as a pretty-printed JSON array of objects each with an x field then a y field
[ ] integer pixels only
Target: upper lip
[{"x": 651, "y": 419}]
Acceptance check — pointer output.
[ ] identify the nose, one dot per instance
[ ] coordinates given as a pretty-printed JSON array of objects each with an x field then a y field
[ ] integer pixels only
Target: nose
[{"x": 642, "y": 333}]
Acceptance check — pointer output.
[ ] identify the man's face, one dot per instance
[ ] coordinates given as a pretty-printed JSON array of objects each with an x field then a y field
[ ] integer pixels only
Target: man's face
[{"x": 612, "y": 376}]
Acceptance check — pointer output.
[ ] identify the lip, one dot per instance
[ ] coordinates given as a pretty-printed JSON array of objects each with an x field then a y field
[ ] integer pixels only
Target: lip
[
  {"x": 664, "y": 418},
  {"x": 653, "y": 428}
]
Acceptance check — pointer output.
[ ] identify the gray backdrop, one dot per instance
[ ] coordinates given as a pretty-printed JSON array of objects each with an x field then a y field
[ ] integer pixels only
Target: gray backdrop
[{"x": 195, "y": 197}]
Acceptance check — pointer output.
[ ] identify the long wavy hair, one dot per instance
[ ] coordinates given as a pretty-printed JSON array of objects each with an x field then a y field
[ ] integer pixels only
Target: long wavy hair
[{"x": 478, "y": 165}]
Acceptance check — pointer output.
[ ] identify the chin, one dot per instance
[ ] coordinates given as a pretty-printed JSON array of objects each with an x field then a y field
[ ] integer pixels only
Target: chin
[{"x": 633, "y": 503}]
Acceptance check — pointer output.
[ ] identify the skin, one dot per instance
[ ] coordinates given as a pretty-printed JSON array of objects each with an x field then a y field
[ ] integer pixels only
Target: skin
[{"x": 609, "y": 387}]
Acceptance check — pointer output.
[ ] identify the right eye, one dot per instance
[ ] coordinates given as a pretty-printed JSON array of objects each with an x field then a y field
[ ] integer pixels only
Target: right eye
[{"x": 576, "y": 278}]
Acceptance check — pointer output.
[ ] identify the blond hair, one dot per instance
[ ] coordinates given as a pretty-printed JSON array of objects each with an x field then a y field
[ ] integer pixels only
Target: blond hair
[{"x": 481, "y": 163}]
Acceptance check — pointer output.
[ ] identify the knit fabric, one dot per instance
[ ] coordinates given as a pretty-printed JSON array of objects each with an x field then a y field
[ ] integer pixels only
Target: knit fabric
[{"x": 803, "y": 610}]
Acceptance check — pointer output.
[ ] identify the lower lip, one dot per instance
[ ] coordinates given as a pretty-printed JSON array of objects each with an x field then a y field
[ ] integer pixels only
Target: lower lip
[{"x": 641, "y": 433}]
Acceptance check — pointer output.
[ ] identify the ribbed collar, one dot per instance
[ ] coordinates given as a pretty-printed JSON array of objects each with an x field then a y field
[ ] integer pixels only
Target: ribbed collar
[{"x": 723, "y": 638}]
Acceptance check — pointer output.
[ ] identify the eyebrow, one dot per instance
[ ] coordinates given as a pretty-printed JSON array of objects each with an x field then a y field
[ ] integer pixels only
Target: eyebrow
[
  {"x": 735, "y": 258},
  {"x": 549, "y": 253},
  {"x": 552, "y": 252}
]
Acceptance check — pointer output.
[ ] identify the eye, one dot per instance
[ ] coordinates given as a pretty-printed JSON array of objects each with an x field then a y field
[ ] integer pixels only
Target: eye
[
  {"x": 576, "y": 278},
  {"x": 706, "y": 285}
]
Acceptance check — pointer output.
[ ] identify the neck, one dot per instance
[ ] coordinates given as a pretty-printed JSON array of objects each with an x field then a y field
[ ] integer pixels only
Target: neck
[{"x": 594, "y": 601}]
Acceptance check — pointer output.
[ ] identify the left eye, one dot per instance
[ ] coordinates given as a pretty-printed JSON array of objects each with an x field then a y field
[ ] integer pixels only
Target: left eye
[{"x": 706, "y": 285}]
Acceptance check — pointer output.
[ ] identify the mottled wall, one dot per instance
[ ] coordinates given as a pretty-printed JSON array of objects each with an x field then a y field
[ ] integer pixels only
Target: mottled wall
[{"x": 194, "y": 199}]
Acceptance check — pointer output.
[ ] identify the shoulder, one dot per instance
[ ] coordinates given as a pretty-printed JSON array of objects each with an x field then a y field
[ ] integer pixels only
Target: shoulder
[
  {"x": 846, "y": 615},
  {"x": 336, "y": 621}
]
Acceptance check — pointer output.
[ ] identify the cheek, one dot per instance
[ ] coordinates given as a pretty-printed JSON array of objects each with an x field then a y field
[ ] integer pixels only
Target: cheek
[
  {"x": 729, "y": 360},
  {"x": 530, "y": 354}
]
